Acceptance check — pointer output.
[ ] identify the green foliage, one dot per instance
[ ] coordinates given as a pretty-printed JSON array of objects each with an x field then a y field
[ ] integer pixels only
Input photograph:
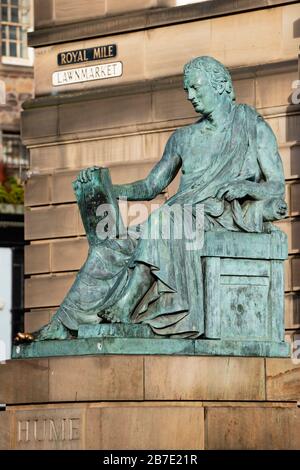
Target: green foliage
[{"x": 11, "y": 191}]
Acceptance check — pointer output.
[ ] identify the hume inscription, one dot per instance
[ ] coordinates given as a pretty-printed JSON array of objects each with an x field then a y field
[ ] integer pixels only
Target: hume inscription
[
  {"x": 47, "y": 429},
  {"x": 85, "y": 55}
]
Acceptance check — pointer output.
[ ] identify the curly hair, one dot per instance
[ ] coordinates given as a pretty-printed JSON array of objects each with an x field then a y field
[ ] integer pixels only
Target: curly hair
[{"x": 215, "y": 71}]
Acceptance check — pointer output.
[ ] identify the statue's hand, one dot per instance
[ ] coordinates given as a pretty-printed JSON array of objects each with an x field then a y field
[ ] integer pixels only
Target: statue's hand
[
  {"x": 233, "y": 191},
  {"x": 86, "y": 175},
  {"x": 275, "y": 209}
]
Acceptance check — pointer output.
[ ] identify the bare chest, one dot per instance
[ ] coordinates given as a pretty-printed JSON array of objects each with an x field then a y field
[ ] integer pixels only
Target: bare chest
[{"x": 200, "y": 150}]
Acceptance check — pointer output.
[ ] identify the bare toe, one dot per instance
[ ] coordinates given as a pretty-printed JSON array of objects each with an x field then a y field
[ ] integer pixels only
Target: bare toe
[
  {"x": 23, "y": 338},
  {"x": 54, "y": 330}
]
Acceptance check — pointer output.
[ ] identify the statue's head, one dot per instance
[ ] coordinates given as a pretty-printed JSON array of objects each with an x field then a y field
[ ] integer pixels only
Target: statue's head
[{"x": 206, "y": 82}]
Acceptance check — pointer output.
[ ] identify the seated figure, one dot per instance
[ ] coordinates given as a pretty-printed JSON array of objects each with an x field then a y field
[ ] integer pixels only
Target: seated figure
[{"x": 230, "y": 166}]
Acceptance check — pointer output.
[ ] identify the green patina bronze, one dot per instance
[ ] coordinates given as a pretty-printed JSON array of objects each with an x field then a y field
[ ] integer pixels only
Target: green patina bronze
[{"x": 225, "y": 297}]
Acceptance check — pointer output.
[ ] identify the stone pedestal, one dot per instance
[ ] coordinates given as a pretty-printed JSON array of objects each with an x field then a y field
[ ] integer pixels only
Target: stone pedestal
[
  {"x": 243, "y": 285},
  {"x": 147, "y": 402}
]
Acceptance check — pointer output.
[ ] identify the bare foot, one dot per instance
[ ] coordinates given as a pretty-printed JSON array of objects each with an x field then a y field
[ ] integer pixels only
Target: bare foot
[
  {"x": 118, "y": 313},
  {"x": 54, "y": 330}
]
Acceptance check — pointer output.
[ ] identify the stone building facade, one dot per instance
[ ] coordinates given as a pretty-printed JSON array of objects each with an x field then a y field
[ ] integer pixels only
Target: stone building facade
[
  {"x": 16, "y": 86},
  {"x": 16, "y": 80},
  {"x": 123, "y": 122}
]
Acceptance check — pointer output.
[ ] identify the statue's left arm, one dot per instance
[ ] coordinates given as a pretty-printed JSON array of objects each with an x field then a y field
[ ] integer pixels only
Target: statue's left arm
[
  {"x": 272, "y": 185},
  {"x": 270, "y": 164},
  {"x": 158, "y": 179}
]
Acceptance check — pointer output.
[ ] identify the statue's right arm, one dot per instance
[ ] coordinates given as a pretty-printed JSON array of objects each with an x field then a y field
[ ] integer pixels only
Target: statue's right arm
[{"x": 158, "y": 179}]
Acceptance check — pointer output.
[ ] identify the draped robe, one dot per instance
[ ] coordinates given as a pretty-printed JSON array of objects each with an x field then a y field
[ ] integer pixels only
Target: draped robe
[{"x": 173, "y": 306}]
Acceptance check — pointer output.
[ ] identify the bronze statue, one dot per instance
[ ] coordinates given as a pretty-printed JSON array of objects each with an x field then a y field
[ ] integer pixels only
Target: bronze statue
[{"x": 229, "y": 164}]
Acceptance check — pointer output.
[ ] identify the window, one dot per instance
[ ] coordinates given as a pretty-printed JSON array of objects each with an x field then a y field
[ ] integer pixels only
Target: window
[
  {"x": 15, "y": 21},
  {"x": 14, "y": 155}
]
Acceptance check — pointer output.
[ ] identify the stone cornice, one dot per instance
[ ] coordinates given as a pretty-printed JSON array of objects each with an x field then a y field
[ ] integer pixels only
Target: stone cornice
[
  {"x": 145, "y": 86},
  {"x": 13, "y": 69},
  {"x": 146, "y": 19}
]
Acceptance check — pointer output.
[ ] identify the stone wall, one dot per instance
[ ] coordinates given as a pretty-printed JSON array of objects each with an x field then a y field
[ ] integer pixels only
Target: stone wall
[
  {"x": 56, "y": 12},
  {"x": 18, "y": 88},
  {"x": 144, "y": 402}
]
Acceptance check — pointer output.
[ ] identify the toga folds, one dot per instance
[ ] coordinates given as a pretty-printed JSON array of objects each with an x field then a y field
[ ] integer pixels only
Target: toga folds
[{"x": 173, "y": 306}]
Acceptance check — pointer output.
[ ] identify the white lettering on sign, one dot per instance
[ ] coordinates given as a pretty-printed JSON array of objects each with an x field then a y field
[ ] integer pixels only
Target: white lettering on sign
[{"x": 86, "y": 74}]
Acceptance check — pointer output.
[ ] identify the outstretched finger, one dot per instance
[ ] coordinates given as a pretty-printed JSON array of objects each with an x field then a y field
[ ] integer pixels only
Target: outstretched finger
[
  {"x": 90, "y": 172},
  {"x": 82, "y": 176},
  {"x": 88, "y": 175},
  {"x": 76, "y": 184}
]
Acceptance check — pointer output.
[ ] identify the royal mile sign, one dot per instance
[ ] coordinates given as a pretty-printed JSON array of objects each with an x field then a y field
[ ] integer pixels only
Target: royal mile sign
[
  {"x": 69, "y": 76},
  {"x": 86, "y": 55}
]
